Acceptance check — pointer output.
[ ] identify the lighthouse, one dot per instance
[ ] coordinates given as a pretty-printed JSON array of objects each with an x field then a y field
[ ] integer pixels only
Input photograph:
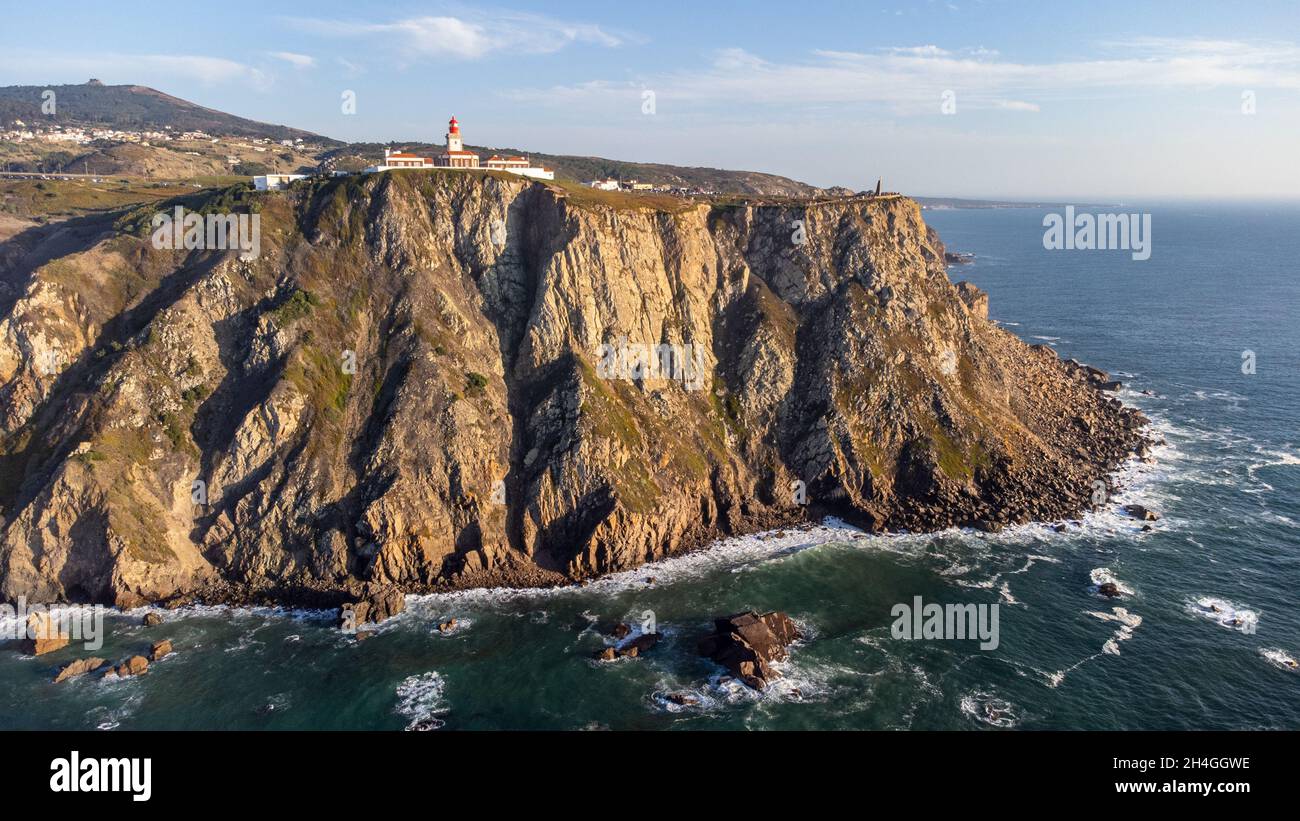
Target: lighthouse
[
  {"x": 455, "y": 156},
  {"x": 453, "y": 136}
]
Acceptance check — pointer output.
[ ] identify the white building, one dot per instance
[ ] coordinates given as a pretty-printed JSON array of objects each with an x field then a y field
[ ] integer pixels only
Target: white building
[{"x": 274, "y": 182}]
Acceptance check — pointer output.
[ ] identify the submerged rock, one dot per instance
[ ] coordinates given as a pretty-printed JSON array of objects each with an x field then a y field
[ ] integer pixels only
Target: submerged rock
[
  {"x": 747, "y": 644},
  {"x": 1143, "y": 513}
]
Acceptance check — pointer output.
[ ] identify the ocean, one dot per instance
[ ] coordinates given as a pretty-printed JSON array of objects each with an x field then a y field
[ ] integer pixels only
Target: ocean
[{"x": 1199, "y": 641}]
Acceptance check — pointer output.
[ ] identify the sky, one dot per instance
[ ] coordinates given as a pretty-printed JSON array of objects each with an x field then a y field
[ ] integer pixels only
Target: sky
[{"x": 1121, "y": 101}]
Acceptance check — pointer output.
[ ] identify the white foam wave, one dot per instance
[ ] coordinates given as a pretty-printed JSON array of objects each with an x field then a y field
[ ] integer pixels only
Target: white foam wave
[
  {"x": 1103, "y": 575},
  {"x": 1225, "y": 613},
  {"x": 1280, "y": 659},
  {"x": 1128, "y": 622},
  {"x": 989, "y": 709},
  {"x": 420, "y": 699}
]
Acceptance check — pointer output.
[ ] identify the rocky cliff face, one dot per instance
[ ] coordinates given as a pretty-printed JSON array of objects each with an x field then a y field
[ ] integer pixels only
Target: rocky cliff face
[{"x": 430, "y": 379}]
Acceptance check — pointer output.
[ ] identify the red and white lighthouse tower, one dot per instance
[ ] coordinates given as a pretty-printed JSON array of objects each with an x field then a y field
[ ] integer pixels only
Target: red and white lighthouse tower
[
  {"x": 455, "y": 156},
  {"x": 453, "y": 136}
]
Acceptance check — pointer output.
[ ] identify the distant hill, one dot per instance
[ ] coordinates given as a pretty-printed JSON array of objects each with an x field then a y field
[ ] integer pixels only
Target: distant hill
[
  {"x": 585, "y": 169},
  {"x": 134, "y": 107}
]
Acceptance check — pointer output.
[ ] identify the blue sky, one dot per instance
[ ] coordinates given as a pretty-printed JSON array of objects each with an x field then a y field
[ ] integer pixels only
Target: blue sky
[{"x": 1115, "y": 100}]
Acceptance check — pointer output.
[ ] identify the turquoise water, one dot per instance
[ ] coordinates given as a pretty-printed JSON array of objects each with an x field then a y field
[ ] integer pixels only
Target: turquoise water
[{"x": 1221, "y": 279}]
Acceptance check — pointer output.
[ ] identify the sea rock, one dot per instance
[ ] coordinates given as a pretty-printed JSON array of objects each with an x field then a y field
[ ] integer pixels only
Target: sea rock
[
  {"x": 160, "y": 649},
  {"x": 133, "y": 666},
  {"x": 639, "y": 645},
  {"x": 1143, "y": 513},
  {"x": 152, "y": 619},
  {"x": 78, "y": 668},
  {"x": 447, "y": 626},
  {"x": 683, "y": 699},
  {"x": 621, "y": 631},
  {"x": 605, "y": 654},
  {"x": 362, "y": 635},
  {"x": 1109, "y": 589},
  {"x": 374, "y": 607},
  {"x": 46, "y": 634},
  {"x": 747, "y": 644}
]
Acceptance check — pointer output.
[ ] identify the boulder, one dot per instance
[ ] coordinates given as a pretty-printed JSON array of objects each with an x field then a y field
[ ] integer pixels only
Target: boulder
[
  {"x": 747, "y": 644},
  {"x": 152, "y": 619},
  {"x": 160, "y": 649},
  {"x": 78, "y": 668},
  {"x": 643, "y": 642},
  {"x": 621, "y": 631},
  {"x": 1109, "y": 589},
  {"x": 45, "y": 634},
  {"x": 133, "y": 666},
  {"x": 374, "y": 606},
  {"x": 606, "y": 654},
  {"x": 1143, "y": 513},
  {"x": 447, "y": 626}
]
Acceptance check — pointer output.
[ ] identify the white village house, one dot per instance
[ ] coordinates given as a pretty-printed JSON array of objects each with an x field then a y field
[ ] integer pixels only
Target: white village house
[
  {"x": 274, "y": 182},
  {"x": 455, "y": 156}
]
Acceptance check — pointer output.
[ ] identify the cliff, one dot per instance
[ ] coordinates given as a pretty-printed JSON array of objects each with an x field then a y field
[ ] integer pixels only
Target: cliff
[{"x": 419, "y": 382}]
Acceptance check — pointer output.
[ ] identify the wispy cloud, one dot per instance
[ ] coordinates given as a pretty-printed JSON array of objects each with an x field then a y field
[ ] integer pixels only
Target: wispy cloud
[
  {"x": 469, "y": 35},
  {"x": 294, "y": 59},
  {"x": 158, "y": 69},
  {"x": 912, "y": 79}
]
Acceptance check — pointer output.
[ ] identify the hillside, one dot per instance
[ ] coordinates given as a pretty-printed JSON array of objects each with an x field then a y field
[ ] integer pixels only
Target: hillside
[
  {"x": 431, "y": 380},
  {"x": 133, "y": 107}
]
